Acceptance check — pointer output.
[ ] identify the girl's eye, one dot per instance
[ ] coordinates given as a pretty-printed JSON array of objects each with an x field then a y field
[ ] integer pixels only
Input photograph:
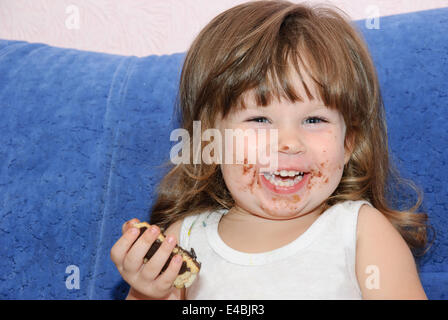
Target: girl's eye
[
  {"x": 311, "y": 120},
  {"x": 258, "y": 120},
  {"x": 315, "y": 120}
]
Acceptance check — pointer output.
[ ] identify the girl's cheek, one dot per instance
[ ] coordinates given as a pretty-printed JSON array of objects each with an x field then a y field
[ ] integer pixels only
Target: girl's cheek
[
  {"x": 327, "y": 171},
  {"x": 240, "y": 150},
  {"x": 241, "y": 177}
]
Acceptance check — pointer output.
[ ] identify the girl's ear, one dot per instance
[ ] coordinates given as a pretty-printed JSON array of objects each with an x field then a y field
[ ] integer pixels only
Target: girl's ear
[{"x": 349, "y": 147}]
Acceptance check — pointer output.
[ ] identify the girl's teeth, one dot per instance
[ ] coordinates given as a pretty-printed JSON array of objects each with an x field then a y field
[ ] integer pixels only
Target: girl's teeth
[
  {"x": 282, "y": 183},
  {"x": 285, "y": 173}
]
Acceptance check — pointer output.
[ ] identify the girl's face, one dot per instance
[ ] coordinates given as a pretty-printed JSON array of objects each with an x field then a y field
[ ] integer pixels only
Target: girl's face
[{"x": 310, "y": 140}]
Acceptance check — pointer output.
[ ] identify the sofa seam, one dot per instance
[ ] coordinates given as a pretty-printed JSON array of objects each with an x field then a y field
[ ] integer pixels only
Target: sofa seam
[{"x": 121, "y": 92}]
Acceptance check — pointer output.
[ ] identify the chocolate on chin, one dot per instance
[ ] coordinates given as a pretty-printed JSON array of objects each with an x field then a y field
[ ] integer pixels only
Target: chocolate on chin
[{"x": 190, "y": 266}]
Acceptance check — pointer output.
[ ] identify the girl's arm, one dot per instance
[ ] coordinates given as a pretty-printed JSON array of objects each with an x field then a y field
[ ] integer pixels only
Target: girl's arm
[
  {"x": 385, "y": 266},
  {"x": 176, "y": 294}
]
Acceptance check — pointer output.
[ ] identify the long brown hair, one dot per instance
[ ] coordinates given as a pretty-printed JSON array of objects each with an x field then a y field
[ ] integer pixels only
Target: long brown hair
[{"x": 251, "y": 46}]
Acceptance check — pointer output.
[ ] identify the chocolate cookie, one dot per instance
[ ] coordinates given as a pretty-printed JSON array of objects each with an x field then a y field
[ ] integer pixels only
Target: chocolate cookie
[{"x": 190, "y": 266}]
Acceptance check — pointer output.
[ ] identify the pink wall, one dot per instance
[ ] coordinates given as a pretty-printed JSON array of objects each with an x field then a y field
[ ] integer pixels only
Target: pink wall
[{"x": 143, "y": 27}]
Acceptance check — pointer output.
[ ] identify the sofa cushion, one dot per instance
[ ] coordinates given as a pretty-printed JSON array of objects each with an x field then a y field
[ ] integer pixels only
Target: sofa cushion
[{"x": 83, "y": 135}]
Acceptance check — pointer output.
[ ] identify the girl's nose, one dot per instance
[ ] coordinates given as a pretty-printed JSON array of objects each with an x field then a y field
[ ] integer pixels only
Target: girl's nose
[{"x": 290, "y": 142}]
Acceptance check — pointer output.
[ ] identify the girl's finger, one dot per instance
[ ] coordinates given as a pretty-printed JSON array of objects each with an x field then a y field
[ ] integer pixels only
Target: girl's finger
[
  {"x": 154, "y": 266},
  {"x": 165, "y": 281},
  {"x": 122, "y": 246},
  {"x": 128, "y": 224},
  {"x": 134, "y": 258}
]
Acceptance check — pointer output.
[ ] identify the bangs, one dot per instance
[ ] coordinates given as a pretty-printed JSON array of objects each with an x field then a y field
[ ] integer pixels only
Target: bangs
[
  {"x": 285, "y": 79},
  {"x": 318, "y": 55},
  {"x": 282, "y": 51}
]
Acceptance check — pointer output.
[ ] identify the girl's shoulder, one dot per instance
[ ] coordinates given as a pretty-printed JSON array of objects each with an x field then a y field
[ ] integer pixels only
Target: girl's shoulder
[
  {"x": 372, "y": 223},
  {"x": 385, "y": 266},
  {"x": 175, "y": 229},
  {"x": 202, "y": 217},
  {"x": 184, "y": 226}
]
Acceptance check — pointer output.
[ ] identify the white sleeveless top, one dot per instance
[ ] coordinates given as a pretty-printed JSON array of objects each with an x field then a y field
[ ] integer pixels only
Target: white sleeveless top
[{"x": 319, "y": 264}]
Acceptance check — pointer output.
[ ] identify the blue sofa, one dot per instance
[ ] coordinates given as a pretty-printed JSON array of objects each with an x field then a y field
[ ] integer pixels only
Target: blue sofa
[{"x": 83, "y": 135}]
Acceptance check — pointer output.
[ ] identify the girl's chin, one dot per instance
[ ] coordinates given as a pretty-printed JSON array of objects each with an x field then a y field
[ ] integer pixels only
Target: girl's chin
[{"x": 280, "y": 209}]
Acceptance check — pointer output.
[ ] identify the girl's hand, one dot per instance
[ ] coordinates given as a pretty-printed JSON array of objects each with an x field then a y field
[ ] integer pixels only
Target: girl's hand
[{"x": 144, "y": 279}]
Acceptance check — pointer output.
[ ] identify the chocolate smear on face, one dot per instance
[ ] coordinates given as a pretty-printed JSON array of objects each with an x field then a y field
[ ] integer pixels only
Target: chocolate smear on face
[
  {"x": 314, "y": 175},
  {"x": 249, "y": 169}
]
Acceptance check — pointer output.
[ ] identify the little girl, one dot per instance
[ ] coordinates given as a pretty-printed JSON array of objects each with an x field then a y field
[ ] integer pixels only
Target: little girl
[{"x": 318, "y": 227}]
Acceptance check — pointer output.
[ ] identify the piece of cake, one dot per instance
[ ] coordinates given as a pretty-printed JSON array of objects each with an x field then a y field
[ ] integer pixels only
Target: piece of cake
[{"x": 190, "y": 266}]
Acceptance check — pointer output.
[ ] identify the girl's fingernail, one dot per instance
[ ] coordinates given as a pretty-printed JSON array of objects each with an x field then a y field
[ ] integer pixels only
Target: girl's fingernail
[
  {"x": 133, "y": 231},
  {"x": 178, "y": 259},
  {"x": 170, "y": 239}
]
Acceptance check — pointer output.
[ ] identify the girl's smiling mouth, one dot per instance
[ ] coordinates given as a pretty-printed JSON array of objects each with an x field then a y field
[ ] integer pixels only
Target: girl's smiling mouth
[{"x": 284, "y": 181}]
